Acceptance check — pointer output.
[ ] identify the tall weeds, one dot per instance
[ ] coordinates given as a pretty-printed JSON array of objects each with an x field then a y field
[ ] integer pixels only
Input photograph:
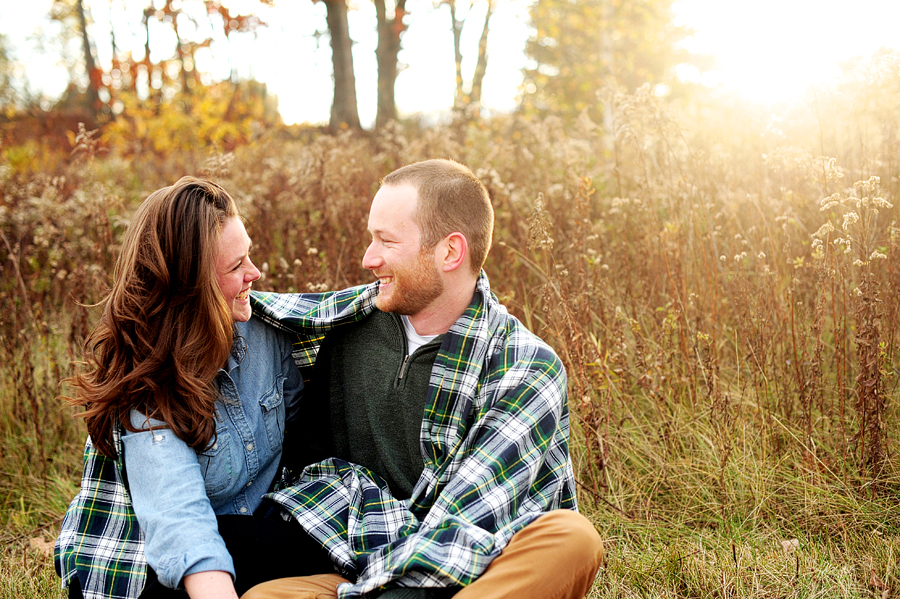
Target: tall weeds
[{"x": 725, "y": 303}]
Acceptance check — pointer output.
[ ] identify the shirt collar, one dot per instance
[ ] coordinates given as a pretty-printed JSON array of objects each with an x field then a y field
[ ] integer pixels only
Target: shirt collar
[{"x": 238, "y": 351}]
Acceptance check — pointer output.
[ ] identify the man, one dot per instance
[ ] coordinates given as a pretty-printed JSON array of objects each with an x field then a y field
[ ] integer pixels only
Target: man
[{"x": 441, "y": 441}]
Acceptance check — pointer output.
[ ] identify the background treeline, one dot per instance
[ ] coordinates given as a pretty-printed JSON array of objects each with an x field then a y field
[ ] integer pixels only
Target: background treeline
[
  {"x": 153, "y": 97},
  {"x": 723, "y": 285}
]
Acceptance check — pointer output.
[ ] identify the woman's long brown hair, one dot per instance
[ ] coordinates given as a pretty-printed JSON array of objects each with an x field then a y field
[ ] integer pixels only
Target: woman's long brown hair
[{"x": 165, "y": 329}]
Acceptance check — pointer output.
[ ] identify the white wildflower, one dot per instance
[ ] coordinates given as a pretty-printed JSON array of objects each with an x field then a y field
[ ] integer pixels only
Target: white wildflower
[
  {"x": 824, "y": 230},
  {"x": 849, "y": 219}
]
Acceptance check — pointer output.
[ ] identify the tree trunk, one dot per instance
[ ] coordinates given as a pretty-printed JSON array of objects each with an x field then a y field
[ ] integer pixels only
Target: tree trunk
[
  {"x": 182, "y": 54},
  {"x": 386, "y": 52},
  {"x": 154, "y": 94},
  {"x": 94, "y": 82},
  {"x": 458, "y": 97},
  {"x": 344, "y": 111},
  {"x": 481, "y": 64}
]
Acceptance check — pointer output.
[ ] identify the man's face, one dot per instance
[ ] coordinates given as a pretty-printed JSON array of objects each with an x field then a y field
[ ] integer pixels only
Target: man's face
[{"x": 409, "y": 279}]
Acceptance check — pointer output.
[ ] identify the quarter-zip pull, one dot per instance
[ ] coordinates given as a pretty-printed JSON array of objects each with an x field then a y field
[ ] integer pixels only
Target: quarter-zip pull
[{"x": 403, "y": 368}]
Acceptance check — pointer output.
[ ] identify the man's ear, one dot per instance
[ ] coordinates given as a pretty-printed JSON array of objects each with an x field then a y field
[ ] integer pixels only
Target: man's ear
[{"x": 453, "y": 252}]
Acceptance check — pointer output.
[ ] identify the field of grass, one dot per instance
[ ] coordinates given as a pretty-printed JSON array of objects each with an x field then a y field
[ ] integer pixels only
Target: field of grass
[{"x": 722, "y": 284}]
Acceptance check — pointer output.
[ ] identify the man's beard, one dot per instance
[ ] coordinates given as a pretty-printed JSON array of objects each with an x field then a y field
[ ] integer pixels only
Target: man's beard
[{"x": 414, "y": 288}]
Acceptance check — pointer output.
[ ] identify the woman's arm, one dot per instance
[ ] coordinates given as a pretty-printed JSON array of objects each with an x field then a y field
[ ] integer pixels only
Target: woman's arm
[
  {"x": 210, "y": 585},
  {"x": 169, "y": 496}
]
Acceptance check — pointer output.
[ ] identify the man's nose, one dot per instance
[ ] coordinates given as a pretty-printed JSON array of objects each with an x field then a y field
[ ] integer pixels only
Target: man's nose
[{"x": 371, "y": 259}]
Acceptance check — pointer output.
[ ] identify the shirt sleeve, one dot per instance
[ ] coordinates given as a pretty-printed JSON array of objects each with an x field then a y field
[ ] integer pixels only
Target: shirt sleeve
[
  {"x": 505, "y": 473},
  {"x": 170, "y": 502}
]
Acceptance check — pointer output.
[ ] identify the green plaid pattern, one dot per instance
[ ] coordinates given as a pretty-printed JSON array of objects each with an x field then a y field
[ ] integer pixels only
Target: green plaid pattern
[
  {"x": 494, "y": 438},
  {"x": 495, "y": 443},
  {"x": 100, "y": 541}
]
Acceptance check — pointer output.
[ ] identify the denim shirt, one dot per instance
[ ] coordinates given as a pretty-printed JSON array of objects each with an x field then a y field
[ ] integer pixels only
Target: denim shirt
[{"x": 177, "y": 492}]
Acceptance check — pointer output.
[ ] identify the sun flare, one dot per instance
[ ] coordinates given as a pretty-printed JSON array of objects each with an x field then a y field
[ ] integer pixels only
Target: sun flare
[{"x": 772, "y": 50}]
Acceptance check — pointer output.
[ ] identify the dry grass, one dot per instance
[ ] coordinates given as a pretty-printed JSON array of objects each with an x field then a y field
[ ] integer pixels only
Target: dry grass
[{"x": 722, "y": 285}]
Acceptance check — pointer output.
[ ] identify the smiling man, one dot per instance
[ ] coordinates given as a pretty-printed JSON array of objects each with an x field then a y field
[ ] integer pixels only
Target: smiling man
[{"x": 437, "y": 443}]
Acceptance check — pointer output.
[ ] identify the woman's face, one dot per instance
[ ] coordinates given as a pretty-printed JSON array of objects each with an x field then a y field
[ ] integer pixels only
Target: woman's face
[{"x": 234, "y": 270}]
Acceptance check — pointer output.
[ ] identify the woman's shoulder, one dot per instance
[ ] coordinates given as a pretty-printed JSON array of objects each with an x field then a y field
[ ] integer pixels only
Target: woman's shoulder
[
  {"x": 257, "y": 333},
  {"x": 257, "y": 326},
  {"x": 142, "y": 422}
]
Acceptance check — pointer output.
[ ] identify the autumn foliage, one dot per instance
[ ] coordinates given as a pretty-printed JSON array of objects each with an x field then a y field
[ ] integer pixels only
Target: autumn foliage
[{"x": 722, "y": 285}]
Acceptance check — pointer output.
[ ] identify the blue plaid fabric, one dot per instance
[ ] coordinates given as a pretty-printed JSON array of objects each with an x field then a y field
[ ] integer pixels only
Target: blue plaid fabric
[
  {"x": 100, "y": 541},
  {"x": 494, "y": 438},
  {"x": 495, "y": 443}
]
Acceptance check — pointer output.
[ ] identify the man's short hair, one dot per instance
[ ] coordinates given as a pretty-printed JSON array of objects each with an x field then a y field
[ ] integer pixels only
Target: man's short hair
[{"x": 450, "y": 199}]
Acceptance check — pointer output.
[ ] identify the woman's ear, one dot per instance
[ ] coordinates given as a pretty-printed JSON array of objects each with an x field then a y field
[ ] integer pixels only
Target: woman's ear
[{"x": 454, "y": 251}]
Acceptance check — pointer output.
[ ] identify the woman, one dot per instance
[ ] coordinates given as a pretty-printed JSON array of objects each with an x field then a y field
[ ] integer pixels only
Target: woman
[{"x": 186, "y": 397}]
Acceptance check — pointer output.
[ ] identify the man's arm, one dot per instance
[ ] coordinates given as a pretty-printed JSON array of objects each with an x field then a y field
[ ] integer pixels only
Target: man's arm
[{"x": 506, "y": 468}]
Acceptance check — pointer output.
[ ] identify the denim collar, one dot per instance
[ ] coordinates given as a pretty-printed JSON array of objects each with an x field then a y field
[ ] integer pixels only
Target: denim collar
[{"x": 238, "y": 351}]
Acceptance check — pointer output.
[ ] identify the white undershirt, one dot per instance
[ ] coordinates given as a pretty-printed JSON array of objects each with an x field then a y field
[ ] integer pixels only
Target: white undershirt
[{"x": 414, "y": 340}]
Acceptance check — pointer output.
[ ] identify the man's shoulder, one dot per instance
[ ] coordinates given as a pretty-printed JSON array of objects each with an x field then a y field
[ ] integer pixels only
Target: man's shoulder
[
  {"x": 516, "y": 353},
  {"x": 511, "y": 335}
]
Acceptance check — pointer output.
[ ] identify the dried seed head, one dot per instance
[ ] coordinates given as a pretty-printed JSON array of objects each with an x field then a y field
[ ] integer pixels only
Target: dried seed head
[
  {"x": 539, "y": 227},
  {"x": 850, "y": 218},
  {"x": 824, "y": 230}
]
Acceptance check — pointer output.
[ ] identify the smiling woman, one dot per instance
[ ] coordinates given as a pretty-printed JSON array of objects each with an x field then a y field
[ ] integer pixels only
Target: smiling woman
[
  {"x": 190, "y": 395},
  {"x": 234, "y": 269}
]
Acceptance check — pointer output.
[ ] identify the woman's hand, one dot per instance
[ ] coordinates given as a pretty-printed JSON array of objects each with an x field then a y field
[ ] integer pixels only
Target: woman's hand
[{"x": 210, "y": 585}]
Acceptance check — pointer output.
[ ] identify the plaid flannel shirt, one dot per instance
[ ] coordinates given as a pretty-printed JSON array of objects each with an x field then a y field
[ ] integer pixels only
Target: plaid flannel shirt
[
  {"x": 494, "y": 441},
  {"x": 101, "y": 542}
]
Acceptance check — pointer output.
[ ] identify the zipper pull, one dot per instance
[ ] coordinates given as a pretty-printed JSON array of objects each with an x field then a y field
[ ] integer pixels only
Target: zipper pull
[{"x": 403, "y": 368}]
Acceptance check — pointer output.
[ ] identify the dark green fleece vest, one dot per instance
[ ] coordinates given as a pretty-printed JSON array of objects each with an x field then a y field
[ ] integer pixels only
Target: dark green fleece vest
[{"x": 375, "y": 395}]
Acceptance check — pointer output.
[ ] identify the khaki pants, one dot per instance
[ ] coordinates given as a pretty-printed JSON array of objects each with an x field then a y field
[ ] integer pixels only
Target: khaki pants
[{"x": 555, "y": 557}]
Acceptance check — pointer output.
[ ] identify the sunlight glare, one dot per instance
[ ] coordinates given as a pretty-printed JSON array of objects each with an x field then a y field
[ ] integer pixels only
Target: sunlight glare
[{"x": 772, "y": 50}]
